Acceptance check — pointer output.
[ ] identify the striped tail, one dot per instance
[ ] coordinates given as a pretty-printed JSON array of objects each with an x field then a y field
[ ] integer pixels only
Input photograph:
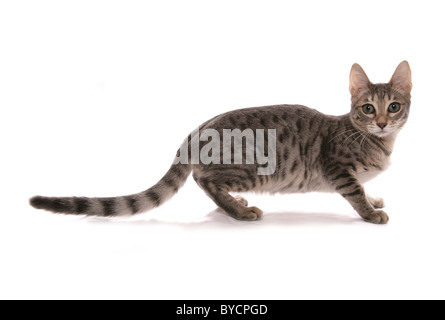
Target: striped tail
[{"x": 166, "y": 188}]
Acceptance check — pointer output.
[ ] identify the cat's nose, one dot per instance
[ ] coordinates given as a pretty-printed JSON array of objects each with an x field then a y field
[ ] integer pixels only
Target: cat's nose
[{"x": 382, "y": 125}]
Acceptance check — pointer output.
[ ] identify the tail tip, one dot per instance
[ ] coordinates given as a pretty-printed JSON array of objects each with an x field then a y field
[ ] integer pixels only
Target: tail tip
[{"x": 39, "y": 202}]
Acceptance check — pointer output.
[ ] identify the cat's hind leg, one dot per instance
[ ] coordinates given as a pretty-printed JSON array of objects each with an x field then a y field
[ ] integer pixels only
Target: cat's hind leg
[{"x": 234, "y": 207}]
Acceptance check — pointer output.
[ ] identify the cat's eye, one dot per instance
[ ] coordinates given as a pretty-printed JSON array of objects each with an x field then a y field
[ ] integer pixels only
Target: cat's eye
[
  {"x": 394, "y": 107},
  {"x": 368, "y": 109}
]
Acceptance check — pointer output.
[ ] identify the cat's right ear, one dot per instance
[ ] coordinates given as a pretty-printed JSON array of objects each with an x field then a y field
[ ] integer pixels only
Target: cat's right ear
[{"x": 358, "y": 81}]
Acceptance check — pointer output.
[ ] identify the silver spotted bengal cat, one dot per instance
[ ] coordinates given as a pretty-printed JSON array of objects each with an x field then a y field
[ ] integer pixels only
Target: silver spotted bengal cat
[{"x": 307, "y": 151}]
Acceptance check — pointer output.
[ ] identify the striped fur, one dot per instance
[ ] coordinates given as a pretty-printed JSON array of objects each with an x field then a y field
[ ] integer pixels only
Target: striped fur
[
  {"x": 315, "y": 152},
  {"x": 116, "y": 206}
]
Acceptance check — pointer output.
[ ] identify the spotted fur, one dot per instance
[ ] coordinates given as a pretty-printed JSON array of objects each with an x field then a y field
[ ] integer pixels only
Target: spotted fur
[{"x": 315, "y": 152}]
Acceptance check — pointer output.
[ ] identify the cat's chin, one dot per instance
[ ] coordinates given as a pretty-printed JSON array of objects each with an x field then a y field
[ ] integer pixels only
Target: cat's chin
[{"x": 383, "y": 134}]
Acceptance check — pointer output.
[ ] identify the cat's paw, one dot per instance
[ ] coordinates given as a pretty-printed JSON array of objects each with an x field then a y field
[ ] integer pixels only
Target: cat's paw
[
  {"x": 378, "y": 217},
  {"x": 250, "y": 214},
  {"x": 242, "y": 201},
  {"x": 377, "y": 203}
]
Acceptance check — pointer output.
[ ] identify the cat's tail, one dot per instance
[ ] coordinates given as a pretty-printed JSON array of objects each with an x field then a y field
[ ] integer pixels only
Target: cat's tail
[{"x": 166, "y": 188}]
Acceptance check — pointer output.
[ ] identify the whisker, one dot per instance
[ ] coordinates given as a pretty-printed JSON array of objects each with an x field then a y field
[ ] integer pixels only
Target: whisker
[
  {"x": 360, "y": 135},
  {"x": 344, "y": 132},
  {"x": 352, "y": 135},
  {"x": 365, "y": 138}
]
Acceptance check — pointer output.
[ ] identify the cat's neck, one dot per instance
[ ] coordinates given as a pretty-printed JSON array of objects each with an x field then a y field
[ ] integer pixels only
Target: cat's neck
[{"x": 390, "y": 140}]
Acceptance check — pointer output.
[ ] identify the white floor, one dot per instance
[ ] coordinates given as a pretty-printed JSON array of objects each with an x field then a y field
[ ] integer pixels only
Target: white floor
[
  {"x": 96, "y": 97},
  {"x": 307, "y": 246}
]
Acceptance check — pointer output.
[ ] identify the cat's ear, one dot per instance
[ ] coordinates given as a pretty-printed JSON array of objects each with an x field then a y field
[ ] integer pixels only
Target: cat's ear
[
  {"x": 401, "y": 80},
  {"x": 358, "y": 81}
]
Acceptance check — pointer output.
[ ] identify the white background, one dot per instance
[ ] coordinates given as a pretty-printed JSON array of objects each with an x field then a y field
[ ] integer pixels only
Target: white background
[{"x": 96, "y": 97}]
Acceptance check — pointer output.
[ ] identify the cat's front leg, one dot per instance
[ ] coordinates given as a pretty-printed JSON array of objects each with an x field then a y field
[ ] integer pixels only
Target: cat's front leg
[
  {"x": 350, "y": 188},
  {"x": 377, "y": 203}
]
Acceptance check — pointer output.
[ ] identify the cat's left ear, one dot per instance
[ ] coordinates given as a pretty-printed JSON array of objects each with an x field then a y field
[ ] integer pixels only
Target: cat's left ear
[{"x": 401, "y": 80}]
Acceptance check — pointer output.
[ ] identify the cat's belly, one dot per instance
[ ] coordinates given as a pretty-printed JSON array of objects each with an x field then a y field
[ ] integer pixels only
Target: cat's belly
[
  {"x": 299, "y": 183},
  {"x": 315, "y": 181}
]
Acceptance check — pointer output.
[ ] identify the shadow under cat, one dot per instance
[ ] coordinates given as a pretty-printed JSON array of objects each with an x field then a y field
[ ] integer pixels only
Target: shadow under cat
[{"x": 218, "y": 218}]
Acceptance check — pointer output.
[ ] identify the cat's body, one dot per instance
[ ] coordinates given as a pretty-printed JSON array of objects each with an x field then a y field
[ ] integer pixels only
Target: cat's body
[
  {"x": 314, "y": 152},
  {"x": 308, "y": 143}
]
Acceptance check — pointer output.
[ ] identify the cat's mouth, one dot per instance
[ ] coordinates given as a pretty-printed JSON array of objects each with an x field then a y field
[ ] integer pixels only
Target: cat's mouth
[{"x": 381, "y": 133}]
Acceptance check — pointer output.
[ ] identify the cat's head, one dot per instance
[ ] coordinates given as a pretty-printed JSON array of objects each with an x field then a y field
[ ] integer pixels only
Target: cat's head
[{"x": 380, "y": 109}]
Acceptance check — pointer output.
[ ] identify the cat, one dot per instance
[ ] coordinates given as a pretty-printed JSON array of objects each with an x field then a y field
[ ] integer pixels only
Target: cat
[{"x": 311, "y": 152}]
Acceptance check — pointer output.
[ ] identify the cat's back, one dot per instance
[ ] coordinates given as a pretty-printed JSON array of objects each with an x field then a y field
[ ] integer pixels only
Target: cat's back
[{"x": 268, "y": 117}]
